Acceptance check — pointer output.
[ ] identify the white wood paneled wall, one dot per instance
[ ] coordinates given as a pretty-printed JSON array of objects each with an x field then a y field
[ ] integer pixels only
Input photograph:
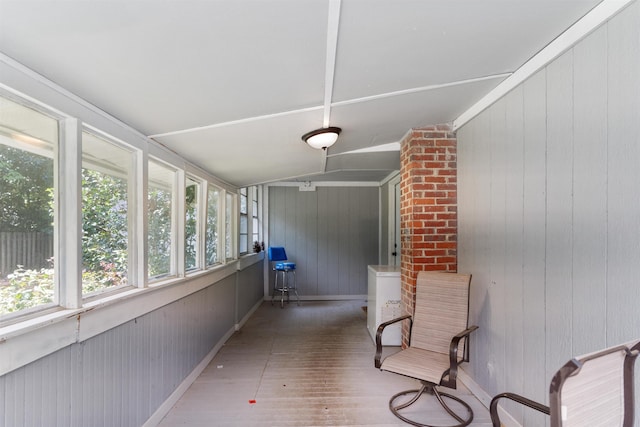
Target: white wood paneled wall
[
  {"x": 122, "y": 376},
  {"x": 331, "y": 234},
  {"x": 549, "y": 215}
]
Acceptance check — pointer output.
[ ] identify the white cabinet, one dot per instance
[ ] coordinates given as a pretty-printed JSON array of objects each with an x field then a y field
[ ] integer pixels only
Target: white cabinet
[{"x": 384, "y": 302}]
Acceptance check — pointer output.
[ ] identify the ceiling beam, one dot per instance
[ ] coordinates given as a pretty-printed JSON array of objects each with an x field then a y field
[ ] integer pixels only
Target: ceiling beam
[{"x": 333, "y": 23}]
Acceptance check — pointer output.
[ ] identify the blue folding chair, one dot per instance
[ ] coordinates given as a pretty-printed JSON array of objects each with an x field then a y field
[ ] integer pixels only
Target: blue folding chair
[{"x": 283, "y": 270}]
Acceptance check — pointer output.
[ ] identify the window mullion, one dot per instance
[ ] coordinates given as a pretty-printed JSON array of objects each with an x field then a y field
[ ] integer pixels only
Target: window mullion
[
  {"x": 222, "y": 221},
  {"x": 179, "y": 207},
  {"x": 138, "y": 218},
  {"x": 69, "y": 220},
  {"x": 202, "y": 225},
  {"x": 250, "y": 197}
]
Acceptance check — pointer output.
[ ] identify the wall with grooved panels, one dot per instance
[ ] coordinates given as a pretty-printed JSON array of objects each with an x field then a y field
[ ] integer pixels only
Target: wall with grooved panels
[
  {"x": 549, "y": 215},
  {"x": 331, "y": 234},
  {"x": 121, "y": 377}
]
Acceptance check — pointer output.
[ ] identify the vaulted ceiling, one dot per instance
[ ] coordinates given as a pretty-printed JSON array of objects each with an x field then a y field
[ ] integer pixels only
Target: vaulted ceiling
[{"x": 231, "y": 85}]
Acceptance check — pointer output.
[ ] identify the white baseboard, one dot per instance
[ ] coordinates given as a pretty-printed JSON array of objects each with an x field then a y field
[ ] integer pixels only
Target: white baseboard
[
  {"x": 506, "y": 419},
  {"x": 242, "y": 321},
  {"x": 324, "y": 297},
  {"x": 166, "y": 406}
]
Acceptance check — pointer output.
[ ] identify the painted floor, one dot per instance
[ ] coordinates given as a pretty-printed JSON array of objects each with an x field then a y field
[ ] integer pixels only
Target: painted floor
[{"x": 307, "y": 365}]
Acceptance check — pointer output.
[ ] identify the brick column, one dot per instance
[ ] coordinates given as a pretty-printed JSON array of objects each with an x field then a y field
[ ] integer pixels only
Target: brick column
[{"x": 428, "y": 208}]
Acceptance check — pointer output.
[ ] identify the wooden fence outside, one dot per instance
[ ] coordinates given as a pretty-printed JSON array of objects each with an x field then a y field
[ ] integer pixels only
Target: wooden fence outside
[{"x": 29, "y": 249}]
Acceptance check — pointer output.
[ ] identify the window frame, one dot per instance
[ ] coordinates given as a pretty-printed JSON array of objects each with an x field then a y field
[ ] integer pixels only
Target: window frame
[
  {"x": 256, "y": 215},
  {"x": 133, "y": 231},
  {"x": 244, "y": 195},
  {"x": 33, "y": 333},
  {"x": 219, "y": 226},
  {"x": 176, "y": 251},
  {"x": 252, "y": 215},
  {"x": 60, "y": 119}
]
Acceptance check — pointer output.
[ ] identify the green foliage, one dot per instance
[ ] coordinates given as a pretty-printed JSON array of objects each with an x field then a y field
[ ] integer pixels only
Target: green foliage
[
  {"x": 211, "y": 237},
  {"x": 159, "y": 235},
  {"x": 104, "y": 224},
  {"x": 26, "y": 204},
  {"x": 191, "y": 225},
  {"x": 26, "y": 182},
  {"x": 26, "y": 289},
  {"x": 109, "y": 276}
]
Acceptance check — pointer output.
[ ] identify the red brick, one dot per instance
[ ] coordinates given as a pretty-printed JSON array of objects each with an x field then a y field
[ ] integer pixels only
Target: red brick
[{"x": 428, "y": 206}]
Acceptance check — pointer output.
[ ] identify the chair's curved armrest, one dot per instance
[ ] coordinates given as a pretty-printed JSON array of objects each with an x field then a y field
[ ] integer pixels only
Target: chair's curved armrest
[
  {"x": 452, "y": 372},
  {"x": 381, "y": 327},
  {"x": 453, "y": 346},
  {"x": 493, "y": 408}
]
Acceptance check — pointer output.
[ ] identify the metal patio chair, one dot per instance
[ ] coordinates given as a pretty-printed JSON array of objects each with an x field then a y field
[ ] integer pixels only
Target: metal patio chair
[
  {"x": 594, "y": 390},
  {"x": 438, "y": 343}
]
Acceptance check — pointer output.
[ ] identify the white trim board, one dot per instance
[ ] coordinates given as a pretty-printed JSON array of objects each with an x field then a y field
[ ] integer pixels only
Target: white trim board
[{"x": 584, "y": 26}]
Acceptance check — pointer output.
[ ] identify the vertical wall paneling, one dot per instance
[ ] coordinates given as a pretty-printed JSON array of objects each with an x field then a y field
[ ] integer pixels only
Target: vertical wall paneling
[
  {"x": 331, "y": 244},
  {"x": 623, "y": 204},
  {"x": 383, "y": 254},
  {"x": 332, "y": 236},
  {"x": 345, "y": 235},
  {"x": 482, "y": 233},
  {"x": 299, "y": 248},
  {"x": 324, "y": 227},
  {"x": 250, "y": 291},
  {"x": 565, "y": 157},
  {"x": 533, "y": 238},
  {"x": 122, "y": 376},
  {"x": 559, "y": 243},
  {"x": 497, "y": 240},
  {"x": 589, "y": 194},
  {"x": 466, "y": 209},
  {"x": 513, "y": 278},
  {"x": 311, "y": 265},
  {"x": 291, "y": 222}
]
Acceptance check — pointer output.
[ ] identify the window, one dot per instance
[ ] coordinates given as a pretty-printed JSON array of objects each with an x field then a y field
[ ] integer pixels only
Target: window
[
  {"x": 28, "y": 139},
  {"x": 255, "y": 223},
  {"x": 228, "y": 225},
  {"x": 244, "y": 221},
  {"x": 106, "y": 169},
  {"x": 249, "y": 211},
  {"x": 211, "y": 241},
  {"x": 161, "y": 229},
  {"x": 192, "y": 191}
]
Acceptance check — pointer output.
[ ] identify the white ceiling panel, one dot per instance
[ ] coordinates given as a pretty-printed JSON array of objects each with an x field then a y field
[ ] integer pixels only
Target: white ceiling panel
[
  {"x": 441, "y": 41},
  {"x": 272, "y": 149},
  {"x": 385, "y": 120},
  {"x": 231, "y": 85}
]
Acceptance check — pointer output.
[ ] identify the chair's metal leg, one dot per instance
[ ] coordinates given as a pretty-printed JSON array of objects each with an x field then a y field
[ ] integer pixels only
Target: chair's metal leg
[
  {"x": 275, "y": 286},
  {"x": 410, "y": 402},
  {"x": 431, "y": 389},
  {"x": 295, "y": 287},
  {"x": 461, "y": 420},
  {"x": 283, "y": 288}
]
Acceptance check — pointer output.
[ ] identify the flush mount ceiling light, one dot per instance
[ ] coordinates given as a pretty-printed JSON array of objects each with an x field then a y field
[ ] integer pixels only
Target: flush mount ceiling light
[{"x": 322, "y": 138}]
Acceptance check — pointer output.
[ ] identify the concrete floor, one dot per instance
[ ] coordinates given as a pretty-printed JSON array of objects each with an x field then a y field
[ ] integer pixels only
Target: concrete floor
[{"x": 307, "y": 365}]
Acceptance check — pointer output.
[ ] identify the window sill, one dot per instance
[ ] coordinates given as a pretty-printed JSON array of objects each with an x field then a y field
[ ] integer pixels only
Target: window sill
[
  {"x": 25, "y": 341},
  {"x": 249, "y": 259}
]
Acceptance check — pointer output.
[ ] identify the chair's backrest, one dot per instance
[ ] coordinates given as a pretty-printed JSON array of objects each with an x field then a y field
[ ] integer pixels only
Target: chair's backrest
[
  {"x": 595, "y": 389},
  {"x": 441, "y": 311},
  {"x": 277, "y": 253}
]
